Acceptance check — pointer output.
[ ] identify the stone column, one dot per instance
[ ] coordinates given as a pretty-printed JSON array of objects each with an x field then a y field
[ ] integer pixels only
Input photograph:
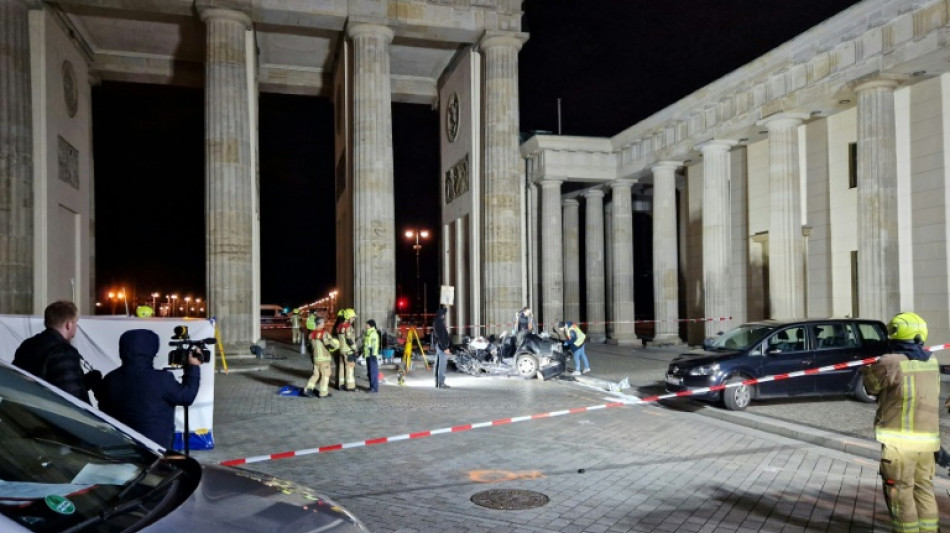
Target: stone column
[
  {"x": 621, "y": 244},
  {"x": 786, "y": 264},
  {"x": 552, "y": 277},
  {"x": 609, "y": 269},
  {"x": 717, "y": 234},
  {"x": 878, "y": 261},
  {"x": 594, "y": 263},
  {"x": 665, "y": 262},
  {"x": 16, "y": 160},
  {"x": 572, "y": 268},
  {"x": 229, "y": 179},
  {"x": 374, "y": 232},
  {"x": 503, "y": 288}
]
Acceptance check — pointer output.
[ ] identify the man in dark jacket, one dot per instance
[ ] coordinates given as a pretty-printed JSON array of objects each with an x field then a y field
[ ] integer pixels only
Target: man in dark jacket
[
  {"x": 142, "y": 396},
  {"x": 442, "y": 344},
  {"x": 49, "y": 354}
]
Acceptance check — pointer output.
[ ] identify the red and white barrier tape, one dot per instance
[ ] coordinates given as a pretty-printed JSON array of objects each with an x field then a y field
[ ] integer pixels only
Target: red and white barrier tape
[
  {"x": 605, "y": 322},
  {"x": 551, "y": 414}
]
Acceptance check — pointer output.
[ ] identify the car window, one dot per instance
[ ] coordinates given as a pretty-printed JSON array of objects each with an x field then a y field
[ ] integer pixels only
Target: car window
[
  {"x": 61, "y": 466},
  {"x": 741, "y": 337},
  {"x": 787, "y": 340},
  {"x": 871, "y": 332},
  {"x": 834, "y": 335}
]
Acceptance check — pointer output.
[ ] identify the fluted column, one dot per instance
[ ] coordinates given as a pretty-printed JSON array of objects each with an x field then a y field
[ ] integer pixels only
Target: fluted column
[
  {"x": 572, "y": 267},
  {"x": 878, "y": 261},
  {"x": 609, "y": 269},
  {"x": 503, "y": 288},
  {"x": 621, "y": 244},
  {"x": 229, "y": 179},
  {"x": 717, "y": 234},
  {"x": 374, "y": 232},
  {"x": 786, "y": 263},
  {"x": 594, "y": 264},
  {"x": 552, "y": 274},
  {"x": 16, "y": 160},
  {"x": 665, "y": 262}
]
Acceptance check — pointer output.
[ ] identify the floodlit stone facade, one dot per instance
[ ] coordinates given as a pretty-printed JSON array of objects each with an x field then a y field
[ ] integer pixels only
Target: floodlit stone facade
[{"x": 811, "y": 182}]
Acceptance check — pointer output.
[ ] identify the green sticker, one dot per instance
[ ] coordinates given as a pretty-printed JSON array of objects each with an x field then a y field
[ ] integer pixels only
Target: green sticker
[{"x": 60, "y": 504}]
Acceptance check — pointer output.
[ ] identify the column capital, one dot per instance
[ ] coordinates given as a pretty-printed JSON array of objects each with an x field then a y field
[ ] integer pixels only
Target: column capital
[
  {"x": 493, "y": 38},
  {"x": 878, "y": 81},
  {"x": 616, "y": 184},
  {"x": 593, "y": 193},
  {"x": 373, "y": 30},
  {"x": 570, "y": 202},
  {"x": 716, "y": 145},
  {"x": 217, "y": 13},
  {"x": 547, "y": 183},
  {"x": 668, "y": 164},
  {"x": 779, "y": 120}
]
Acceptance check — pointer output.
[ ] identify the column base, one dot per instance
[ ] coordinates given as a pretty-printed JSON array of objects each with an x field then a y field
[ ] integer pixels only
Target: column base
[
  {"x": 625, "y": 341},
  {"x": 665, "y": 340},
  {"x": 596, "y": 338}
]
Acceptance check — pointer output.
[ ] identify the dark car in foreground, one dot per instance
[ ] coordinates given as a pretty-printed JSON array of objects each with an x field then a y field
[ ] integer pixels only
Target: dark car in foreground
[
  {"x": 760, "y": 349},
  {"x": 66, "y": 467}
]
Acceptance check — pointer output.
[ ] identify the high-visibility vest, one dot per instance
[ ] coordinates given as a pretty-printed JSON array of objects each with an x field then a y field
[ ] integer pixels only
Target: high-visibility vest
[
  {"x": 312, "y": 322},
  {"x": 579, "y": 335},
  {"x": 371, "y": 343}
]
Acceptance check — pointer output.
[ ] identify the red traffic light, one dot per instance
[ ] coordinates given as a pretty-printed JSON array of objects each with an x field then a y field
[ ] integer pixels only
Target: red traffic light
[{"x": 402, "y": 303}]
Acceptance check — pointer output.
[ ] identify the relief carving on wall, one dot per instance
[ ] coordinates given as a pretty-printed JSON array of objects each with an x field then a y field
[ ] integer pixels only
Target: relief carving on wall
[
  {"x": 68, "y": 157},
  {"x": 457, "y": 180}
]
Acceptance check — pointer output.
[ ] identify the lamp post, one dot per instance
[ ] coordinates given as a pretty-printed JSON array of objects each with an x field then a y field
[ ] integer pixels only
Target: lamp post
[
  {"x": 417, "y": 235},
  {"x": 112, "y": 297},
  {"x": 154, "y": 298}
]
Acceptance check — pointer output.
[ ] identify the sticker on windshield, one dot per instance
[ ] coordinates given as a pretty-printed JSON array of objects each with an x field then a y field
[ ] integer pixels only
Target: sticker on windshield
[{"x": 60, "y": 504}]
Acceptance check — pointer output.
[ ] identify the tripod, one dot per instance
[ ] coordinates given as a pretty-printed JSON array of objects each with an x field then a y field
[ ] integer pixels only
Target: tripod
[{"x": 412, "y": 335}]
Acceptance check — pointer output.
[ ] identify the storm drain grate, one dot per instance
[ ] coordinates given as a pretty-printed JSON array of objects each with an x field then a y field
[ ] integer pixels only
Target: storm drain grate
[{"x": 509, "y": 499}]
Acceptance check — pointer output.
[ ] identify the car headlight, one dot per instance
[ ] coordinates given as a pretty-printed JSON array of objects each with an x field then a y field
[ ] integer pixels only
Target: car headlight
[{"x": 705, "y": 370}]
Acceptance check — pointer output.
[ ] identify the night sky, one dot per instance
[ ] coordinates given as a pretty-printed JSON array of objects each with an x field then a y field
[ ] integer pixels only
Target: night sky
[{"x": 611, "y": 62}]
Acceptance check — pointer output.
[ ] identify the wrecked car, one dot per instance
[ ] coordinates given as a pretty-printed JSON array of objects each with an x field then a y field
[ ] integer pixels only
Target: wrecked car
[{"x": 527, "y": 355}]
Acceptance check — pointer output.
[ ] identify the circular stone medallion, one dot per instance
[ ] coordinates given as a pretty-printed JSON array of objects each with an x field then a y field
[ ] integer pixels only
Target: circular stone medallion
[
  {"x": 452, "y": 118},
  {"x": 509, "y": 499}
]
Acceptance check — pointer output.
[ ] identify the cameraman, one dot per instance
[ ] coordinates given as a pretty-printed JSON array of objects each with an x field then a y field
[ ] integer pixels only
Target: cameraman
[{"x": 142, "y": 396}]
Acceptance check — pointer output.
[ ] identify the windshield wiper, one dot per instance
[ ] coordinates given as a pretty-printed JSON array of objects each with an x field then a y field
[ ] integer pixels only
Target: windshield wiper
[{"x": 134, "y": 503}]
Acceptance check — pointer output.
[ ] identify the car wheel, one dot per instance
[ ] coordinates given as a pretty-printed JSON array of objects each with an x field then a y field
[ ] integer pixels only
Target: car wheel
[
  {"x": 861, "y": 394},
  {"x": 527, "y": 366},
  {"x": 737, "y": 398}
]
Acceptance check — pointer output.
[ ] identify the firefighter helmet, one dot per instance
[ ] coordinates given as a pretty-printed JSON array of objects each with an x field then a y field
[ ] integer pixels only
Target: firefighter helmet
[
  {"x": 144, "y": 311},
  {"x": 907, "y": 326}
]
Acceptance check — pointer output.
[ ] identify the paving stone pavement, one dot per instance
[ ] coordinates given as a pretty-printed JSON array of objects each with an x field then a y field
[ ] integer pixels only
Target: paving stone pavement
[{"x": 625, "y": 469}]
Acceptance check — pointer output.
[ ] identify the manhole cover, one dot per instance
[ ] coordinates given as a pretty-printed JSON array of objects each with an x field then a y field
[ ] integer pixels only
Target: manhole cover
[{"x": 509, "y": 499}]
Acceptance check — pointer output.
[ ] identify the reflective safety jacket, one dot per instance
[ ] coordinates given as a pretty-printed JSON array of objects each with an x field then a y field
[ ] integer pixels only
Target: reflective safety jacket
[
  {"x": 908, "y": 399},
  {"x": 346, "y": 336},
  {"x": 312, "y": 322},
  {"x": 323, "y": 343},
  {"x": 371, "y": 343},
  {"x": 577, "y": 336}
]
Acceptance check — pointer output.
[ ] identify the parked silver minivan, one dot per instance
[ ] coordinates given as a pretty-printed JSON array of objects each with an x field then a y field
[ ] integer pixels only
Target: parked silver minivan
[{"x": 66, "y": 467}]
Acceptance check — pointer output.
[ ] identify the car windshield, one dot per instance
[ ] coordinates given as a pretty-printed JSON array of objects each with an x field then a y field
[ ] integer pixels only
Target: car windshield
[
  {"x": 62, "y": 467},
  {"x": 741, "y": 338}
]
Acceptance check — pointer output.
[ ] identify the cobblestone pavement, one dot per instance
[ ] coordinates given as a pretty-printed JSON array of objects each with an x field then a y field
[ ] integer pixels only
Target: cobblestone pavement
[{"x": 626, "y": 469}]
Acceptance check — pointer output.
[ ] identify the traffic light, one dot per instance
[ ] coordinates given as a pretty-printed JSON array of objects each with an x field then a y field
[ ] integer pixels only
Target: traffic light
[{"x": 401, "y": 303}]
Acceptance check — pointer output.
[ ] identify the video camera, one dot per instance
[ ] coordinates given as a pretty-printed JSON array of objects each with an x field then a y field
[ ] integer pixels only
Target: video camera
[{"x": 184, "y": 345}]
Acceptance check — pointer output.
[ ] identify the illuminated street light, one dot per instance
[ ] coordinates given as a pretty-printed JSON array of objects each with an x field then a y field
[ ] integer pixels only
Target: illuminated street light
[{"x": 417, "y": 234}]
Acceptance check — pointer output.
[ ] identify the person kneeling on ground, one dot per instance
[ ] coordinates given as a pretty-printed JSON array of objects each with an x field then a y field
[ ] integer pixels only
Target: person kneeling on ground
[{"x": 144, "y": 397}]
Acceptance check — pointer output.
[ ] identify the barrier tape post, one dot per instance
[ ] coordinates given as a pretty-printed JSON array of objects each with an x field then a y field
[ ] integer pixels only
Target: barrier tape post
[{"x": 552, "y": 414}]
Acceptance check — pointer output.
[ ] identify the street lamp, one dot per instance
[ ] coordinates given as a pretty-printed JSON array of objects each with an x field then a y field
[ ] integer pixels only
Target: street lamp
[
  {"x": 174, "y": 303},
  {"x": 112, "y": 297},
  {"x": 154, "y": 297},
  {"x": 417, "y": 234}
]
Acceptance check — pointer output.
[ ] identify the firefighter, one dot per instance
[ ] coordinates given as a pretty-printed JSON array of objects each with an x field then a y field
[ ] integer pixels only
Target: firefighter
[
  {"x": 323, "y": 344},
  {"x": 346, "y": 355},
  {"x": 295, "y": 327},
  {"x": 906, "y": 382}
]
